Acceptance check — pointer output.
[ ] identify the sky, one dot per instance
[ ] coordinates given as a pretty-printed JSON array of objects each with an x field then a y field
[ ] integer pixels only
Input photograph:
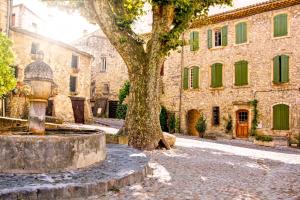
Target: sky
[{"x": 69, "y": 27}]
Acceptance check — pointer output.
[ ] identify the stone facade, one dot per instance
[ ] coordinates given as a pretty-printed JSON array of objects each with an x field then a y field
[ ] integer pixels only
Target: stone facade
[
  {"x": 3, "y": 15},
  {"x": 59, "y": 56},
  {"x": 109, "y": 72},
  {"x": 259, "y": 50}
]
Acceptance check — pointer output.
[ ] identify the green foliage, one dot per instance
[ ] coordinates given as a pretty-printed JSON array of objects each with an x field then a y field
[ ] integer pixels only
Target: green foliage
[
  {"x": 172, "y": 122},
  {"x": 264, "y": 138},
  {"x": 254, "y": 122},
  {"x": 124, "y": 92},
  {"x": 163, "y": 118},
  {"x": 122, "y": 108},
  {"x": 201, "y": 125},
  {"x": 7, "y": 78},
  {"x": 228, "y": 125},
  {"x": 121, "y": 111},
  {"x": 177, "y": 125}
]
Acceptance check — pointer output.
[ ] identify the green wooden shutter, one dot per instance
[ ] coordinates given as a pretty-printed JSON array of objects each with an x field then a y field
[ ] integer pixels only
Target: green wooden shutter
[
  {"x": 213, "y": 76},
  {"x": 244, "y": 73},
  {"x": 195, "y": 77},
  {"x": 244, "y": 32},
  {"x": 219, "y": 81},
  {"x": 284, "y": 69},
  {"x": 224, "y": 35},
  {"x": 209, "y": 38},
  {"x": 280, "y": 25},
  {"x": 186, "y": 78},
  {"x": 281, "y": 117},
  {"x": 276, "y": 65},
  {"x": 237, "y": 67},
  {"x": 241, "y": 33},
  {"x": 192, "y": 41}
]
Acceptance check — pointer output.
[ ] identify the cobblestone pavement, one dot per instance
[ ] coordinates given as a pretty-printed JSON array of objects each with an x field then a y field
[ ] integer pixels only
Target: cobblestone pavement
[{"x": 209, "y": 170}]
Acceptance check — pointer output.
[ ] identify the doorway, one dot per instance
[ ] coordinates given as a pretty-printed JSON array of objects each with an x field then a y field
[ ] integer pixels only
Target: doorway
[
  {"x": 192, "y": 119},
  {"x": 242, "y": 124},
  {"x": 78, "y": 109}
]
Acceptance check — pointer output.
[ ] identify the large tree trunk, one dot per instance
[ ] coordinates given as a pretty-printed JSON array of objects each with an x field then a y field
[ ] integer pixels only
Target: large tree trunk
[{"x": 142, "y": 120}]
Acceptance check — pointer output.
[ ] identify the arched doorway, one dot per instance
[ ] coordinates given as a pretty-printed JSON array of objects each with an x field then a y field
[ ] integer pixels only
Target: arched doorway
[
  {"x": 192, "y": 118},
  {"x": 242, "y": 123}
]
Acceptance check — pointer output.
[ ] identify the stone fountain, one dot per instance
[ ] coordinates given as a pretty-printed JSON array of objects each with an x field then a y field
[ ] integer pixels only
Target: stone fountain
[{"x": 39, "y": 151}]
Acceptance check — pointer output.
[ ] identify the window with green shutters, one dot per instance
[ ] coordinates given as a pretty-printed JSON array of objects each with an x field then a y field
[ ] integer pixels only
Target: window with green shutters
[
  {"x": 281, "y": 117},
  {"x": 216, "y": 75},
  {"x": 281, "y": 25},
  {"x": 281, "y": 69},
  {"x": 241, "y": 73},
  {"x": 220, "y": 37},
  {"x": 191, "y": 78},
  {"x": 194, "y": 41},
  {"x": 241, "y": 33}
]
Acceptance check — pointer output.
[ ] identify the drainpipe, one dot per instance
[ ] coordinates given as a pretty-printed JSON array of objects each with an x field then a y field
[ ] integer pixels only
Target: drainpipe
[{"x": 181, "y": 84}]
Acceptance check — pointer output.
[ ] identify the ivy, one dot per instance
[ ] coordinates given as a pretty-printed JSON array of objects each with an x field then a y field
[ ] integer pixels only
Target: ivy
[
  {"x": 254, "y": 122},
  {"x": 122, "y": 108}
]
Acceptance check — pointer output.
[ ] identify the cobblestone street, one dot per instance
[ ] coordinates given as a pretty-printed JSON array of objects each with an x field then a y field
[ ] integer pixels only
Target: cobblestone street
[{"x": 208, "y": 170}]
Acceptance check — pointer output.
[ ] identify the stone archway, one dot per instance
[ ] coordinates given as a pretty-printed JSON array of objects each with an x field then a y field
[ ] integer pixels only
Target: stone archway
[{"x": 192, "y": 118}]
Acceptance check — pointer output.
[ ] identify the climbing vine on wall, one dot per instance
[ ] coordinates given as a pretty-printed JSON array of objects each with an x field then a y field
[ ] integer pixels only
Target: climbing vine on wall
[{"x": 254, "y": 122}]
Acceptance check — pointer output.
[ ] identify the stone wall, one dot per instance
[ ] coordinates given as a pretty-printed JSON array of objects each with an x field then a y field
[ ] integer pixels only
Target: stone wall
[
  {"x": 259, "y": 51},
  {"x": 3, "y": 15},
  {"x": 58, "y": 55},
  {"x": 115, "y": 75}
]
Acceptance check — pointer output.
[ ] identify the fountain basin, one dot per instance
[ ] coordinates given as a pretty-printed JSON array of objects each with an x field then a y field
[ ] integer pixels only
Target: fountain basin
[{"x": 50, "y": 153}]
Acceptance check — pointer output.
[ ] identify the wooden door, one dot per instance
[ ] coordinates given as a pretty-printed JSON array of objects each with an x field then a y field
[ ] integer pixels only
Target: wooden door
[
  {"x": 78, "y": 110},
  {"x": 112, "y": 108},
  {"x": 242, "y": 124}
]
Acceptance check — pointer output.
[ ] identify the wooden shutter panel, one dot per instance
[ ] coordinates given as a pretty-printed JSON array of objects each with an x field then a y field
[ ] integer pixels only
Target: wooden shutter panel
[
  {"x": 244, "y": 70},
  {"x": 191, "y": 41},
  {"x": 281, "y": 117},
  {"x": 213, "y": 76},
  {"x": 244, "y": 32},
  {"x": 238, "y": 73},
  {"x": 284, "y": 68},
  {"x": 241, "y": 33},
  {"x": 237, "y": 34},
  {"x": 224, "y": 35},
  {"x": 285, "y": 117},
  {"x": 276, "y": 65},
  {"x": 276, "y": 117},
  {"x": 209, "y": 38},
  {"x": 280, "y": 25},
  {"x": 219, "y": 75},
  {"x": 195, "y": 77},
  {"x": 185, "y": 78},
  {"x": 196, "y": 41}
]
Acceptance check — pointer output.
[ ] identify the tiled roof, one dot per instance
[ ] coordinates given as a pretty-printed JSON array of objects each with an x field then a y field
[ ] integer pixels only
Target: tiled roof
[{"x": 245, "y": 12}]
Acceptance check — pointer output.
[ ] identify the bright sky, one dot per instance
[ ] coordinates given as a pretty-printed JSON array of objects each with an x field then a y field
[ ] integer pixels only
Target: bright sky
[{"x": 67, "y": 28}]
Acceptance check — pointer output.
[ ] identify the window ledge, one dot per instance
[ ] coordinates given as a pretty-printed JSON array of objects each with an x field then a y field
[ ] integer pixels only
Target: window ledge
[
  {"x": 241, "y": 86},
  {"x": 218, "y": 88},
  {"x": 280, "y": 37},
  {"x": 73, "y": 93},
  {"x": 242, "y": 44},
  {"x": 217, "y": 48},
  {"x": 192, "y": 90},
  {"x": 280, "y": 84},
  {"x": 75, "y": 70}
]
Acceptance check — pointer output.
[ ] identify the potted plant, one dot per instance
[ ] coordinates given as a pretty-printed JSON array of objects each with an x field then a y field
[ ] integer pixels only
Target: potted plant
[{"x": 201, "y": 125}]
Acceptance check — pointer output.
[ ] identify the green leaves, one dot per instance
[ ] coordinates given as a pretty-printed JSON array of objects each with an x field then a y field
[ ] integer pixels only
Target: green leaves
[{"x": 7, "y": 79}]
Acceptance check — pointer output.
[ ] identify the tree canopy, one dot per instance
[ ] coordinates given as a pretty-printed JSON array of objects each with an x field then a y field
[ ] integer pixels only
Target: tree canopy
[{"x": 7, "y": 78}]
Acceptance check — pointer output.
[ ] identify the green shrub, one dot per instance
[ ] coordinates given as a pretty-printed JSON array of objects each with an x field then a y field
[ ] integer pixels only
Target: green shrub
[
  {"x": 121, "y": 111},
  {"x": 264, "y": 138},
  {"x": 201, "y": 125},
  {"x": 228, "y": 125},
  {"x": 172, "y": 123},
  {"x": 124, "y": 91},
  {"x": 163, "y": 118},
  {"x": 177, "y": 125}
]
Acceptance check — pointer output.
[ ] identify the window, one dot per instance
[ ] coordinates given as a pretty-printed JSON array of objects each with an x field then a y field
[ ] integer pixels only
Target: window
[
  {"x": 216, "y": 116},
  {"x": 243, "y": 116},
  {"x": 280, "y": 25},
  {"x": 105, "y": 88},
  {"x": 73, "y": 84},
  {"x": 281, "y": 117},
  {"x": 74, "y": 62},
  {"x": 34, "y": 48},
  {"x": 216, "y": 75},
  {"x": 220, "y": 37},
  {"x": 281, "y": 69},
  {"x": 194, "y": 41},
  {"x": 241, "y": 33},
  {"x": 13, "y": 19},
  {"x": 103, "y": 64},
  {"x": 241, "y": 73},
  {"x": 191, "y": 78}
]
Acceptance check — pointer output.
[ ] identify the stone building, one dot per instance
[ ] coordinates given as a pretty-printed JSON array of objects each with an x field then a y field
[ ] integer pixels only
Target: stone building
[
  {"x": 71, "y": 71},
  {"x": 109, "y": 72},
  {"x": 235, "y": 58},
  {"x": 4, "y": 15}
]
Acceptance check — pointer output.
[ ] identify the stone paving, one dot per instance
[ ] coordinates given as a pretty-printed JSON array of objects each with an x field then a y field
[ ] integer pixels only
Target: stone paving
[{"x": 198, "y": 169}]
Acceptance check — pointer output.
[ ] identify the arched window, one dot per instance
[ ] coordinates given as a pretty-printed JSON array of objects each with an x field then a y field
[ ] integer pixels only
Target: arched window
[{"x": 281, "y": 117}]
